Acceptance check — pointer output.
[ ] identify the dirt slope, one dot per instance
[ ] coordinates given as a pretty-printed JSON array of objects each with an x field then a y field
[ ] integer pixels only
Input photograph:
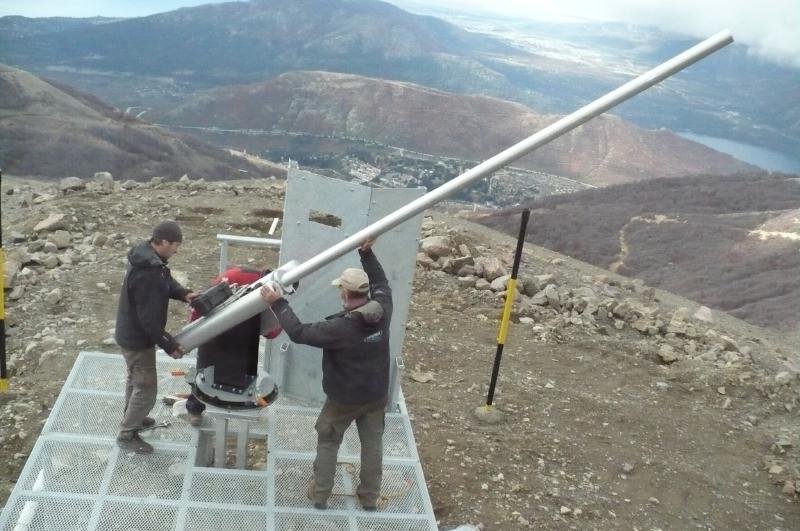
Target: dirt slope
[{"x": 599, "y": 431}]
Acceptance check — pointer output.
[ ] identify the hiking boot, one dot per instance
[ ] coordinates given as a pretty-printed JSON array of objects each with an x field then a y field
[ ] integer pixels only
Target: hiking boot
[
  {"x": 369, "y": 507},
  {"x": 317, "y": 504},
  {"x": 195, "y": 420},
  {"x": 148, "y": 421},
  {"x": 135, "y": 444}
]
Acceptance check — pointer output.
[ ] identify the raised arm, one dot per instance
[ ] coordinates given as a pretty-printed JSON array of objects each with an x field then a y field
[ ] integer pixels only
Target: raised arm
[{"x": 379, "y": 289}]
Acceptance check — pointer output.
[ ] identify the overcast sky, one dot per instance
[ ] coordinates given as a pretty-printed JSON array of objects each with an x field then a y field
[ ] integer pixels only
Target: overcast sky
[{"x": 769, "y": 27}]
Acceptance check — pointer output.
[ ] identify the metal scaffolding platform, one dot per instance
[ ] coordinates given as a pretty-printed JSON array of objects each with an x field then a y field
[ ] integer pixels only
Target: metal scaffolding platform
[{"x": 76, "y": 478}]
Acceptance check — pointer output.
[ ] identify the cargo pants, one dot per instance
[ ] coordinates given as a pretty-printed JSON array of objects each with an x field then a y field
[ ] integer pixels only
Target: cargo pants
[
  {"x": 333, "y": 421},
  {"x": 140, "y": 389}
]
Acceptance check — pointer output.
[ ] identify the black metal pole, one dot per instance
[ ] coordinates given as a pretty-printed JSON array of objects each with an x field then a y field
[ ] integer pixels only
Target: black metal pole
[
  {"x": 510, "y": 292},
  {"x": 3, "y": 369}
]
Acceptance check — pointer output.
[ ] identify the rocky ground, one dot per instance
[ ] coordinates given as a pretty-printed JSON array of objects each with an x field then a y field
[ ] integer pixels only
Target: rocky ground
[{"x": 620, "y": 406}]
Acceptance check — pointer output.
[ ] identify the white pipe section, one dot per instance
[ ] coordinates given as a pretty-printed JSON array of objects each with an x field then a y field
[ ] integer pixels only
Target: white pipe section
[
  {"x": 252, "y": 303},
  {"x": 229, "y": 239},
  {"x": 25, "y": 519},
  {"x": 249, "y": 240}
]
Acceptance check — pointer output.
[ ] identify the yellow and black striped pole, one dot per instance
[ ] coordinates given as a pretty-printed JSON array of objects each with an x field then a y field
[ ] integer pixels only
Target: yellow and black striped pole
[
  {"x": 511, "y": 290},
  {"x": 3, "y": 368}
]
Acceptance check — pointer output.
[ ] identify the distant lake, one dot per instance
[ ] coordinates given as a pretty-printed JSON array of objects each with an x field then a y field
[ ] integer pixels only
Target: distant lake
[{"x": 758, "y": 156}]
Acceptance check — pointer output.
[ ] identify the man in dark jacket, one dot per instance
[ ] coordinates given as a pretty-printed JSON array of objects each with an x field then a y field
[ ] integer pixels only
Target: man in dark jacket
[
  {"x": 141, "y": 318},
  {"x": 355, "y": 373}
]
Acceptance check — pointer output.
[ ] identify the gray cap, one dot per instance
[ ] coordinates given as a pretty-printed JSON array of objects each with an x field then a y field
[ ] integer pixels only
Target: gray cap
[{"x": 168, "y": 230}]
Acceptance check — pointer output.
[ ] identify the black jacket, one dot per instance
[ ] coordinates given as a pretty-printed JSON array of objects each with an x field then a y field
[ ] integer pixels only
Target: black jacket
[
  {"x": 143, "y": 301},
  {"x": 355, "y": 343}
]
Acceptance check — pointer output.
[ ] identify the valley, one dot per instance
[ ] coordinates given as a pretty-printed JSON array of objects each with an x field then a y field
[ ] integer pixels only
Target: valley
[{"x": 651, "y": 377}]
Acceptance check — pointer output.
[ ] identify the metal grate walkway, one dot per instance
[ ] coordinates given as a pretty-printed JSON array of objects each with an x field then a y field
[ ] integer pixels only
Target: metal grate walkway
[{"x": 76, "y": 478}]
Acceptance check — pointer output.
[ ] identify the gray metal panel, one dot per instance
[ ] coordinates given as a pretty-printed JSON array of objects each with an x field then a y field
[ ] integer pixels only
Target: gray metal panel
[
  {"x": 399, "y": 246},
  {"x": 301, "y": 373},
  {"x": 298, "y": 369}
]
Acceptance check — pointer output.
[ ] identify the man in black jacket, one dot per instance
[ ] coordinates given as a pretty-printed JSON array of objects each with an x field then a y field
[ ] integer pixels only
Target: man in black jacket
[
  {"x": 141, "y": 318},
  {"x": 355, "y": 373}
]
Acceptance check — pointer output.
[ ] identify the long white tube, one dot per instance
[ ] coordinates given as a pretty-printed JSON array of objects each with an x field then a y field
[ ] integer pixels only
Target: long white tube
[
  {"x": 249, "y": 240},
  {"x": 250, "y": 306},
  {"x": 26, "y": 515}
]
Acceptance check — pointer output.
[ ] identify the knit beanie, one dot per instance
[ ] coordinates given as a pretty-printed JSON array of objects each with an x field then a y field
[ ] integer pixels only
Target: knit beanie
[{"x": 168, "y": 230}]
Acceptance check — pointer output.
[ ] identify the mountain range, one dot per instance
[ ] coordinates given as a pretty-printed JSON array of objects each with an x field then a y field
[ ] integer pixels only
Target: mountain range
[
  {"x": 607, "y": 150},
  {"x": 149, "y": 61},
  {"x": 52, "y": 130},
  {"x": 731, "y": 243}
]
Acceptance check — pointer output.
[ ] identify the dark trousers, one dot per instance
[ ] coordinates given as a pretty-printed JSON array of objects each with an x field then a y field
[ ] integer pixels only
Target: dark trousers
[
  {"x": 333, "y": 421},
  {"x": 141, "y": 387}
]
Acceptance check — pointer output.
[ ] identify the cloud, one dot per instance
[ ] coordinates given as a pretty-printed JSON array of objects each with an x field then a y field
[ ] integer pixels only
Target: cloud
[{"x": 769, "y": 28}]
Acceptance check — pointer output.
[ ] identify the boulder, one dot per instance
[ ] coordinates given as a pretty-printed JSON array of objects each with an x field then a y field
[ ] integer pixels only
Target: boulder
[
  {"x": 52, "y": 222},
  {"x": 500, "y": 283},
  {"x": 466, "y": 271},
  {"x": 199, "y": 184},
  {"x": 54, "y": 297},
  {"x": 539, "y": 299},
  {"x": 436, "y": 246},
  {"x": 16, "y": 293},
  {"x": 103, "y": 182},
  {"x": 482, "y": 284},
  {"x": 50, "y": 261},
  {"x": 462, "y": 261},
  {"x": 61, "y": 238},
  {"x": 667, "y": 353},
  {"x": 728, "y": 343},
  {"x": 467, "y": 281},
  {"x": 36, "y": 245},
  {"x": 553, "y": 297},
  {"x": 424, "y": 260},
  {"x": 11, "y": 267},
  {"x": 630, "y": 310},
  {"x": 71, "y": 184},
  {"x": 99, "y": 240},
  {"x": 489, "y": 268},
  {"x": 27, "y": 276},
  {"x": 528, "y": 286},
  {"x": 704, "y": 314}
]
